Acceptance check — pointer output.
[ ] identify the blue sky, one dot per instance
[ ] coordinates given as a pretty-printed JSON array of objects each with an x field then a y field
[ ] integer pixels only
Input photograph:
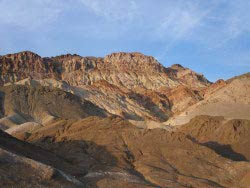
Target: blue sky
[{"x": 210, "y": 36}]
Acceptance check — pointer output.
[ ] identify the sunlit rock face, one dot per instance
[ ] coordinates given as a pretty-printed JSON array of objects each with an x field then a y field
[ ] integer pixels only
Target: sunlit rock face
[
  {"x": 123, "y": 69},
  {"x": 131, "y": 85}
]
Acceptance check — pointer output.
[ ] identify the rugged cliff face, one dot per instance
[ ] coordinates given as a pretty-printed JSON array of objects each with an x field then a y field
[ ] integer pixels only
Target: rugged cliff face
[
  {"x": 15, "y": 67},
  {"x": 131, "y": 85},
  {"x": 128, "y": 70},
  {"x": 122, "y": 69}
]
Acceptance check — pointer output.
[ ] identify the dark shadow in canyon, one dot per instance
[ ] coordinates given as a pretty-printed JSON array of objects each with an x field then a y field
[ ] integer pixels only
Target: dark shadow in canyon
[
  {"x": 2, "y": 96},
  {"x": 225, "y": 150}
]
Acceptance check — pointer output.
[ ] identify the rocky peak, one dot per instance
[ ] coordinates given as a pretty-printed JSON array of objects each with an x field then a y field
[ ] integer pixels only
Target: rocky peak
[
  {"x": 134, "y": 61},
  {"x": 177, "y": 67},
  {"x": 15, "y": 67},
  {"x": 214, "y": 87},
  {"x": 124, "y": 56},
  {"x": 66, "y": 57},
  {"x": 188, "y": 76},
  {"x": 23, "y": 56}
]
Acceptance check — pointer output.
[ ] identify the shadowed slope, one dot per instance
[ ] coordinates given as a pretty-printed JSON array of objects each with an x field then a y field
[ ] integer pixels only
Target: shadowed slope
[
  {"x": 152, "y": 157},
  {"x": 230, "y": 138},
  {"x": 25, "y": 165},
  {"x": 24, "y": 103}
]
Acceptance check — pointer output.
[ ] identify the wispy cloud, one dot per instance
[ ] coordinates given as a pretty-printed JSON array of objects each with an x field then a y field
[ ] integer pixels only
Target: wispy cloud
[
  {"x": 29, "y": 14},
  {"x": 233, "y": 22},
  {"x": 180, "y": 19},
  {"x": 118, "y": 10},
  {"x": 212, "y": 24}
]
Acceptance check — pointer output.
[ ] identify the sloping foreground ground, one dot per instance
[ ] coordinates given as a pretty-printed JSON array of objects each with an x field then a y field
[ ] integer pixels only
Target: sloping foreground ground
[
  {"x": 114, "y": 153},
  {"x": 230, "y": 138},
  {"x": 24, "y": 165}
]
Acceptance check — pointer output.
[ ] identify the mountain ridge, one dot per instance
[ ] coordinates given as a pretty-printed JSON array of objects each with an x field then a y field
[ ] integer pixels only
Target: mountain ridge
[
  {"x": 131, "y": 85},
  {"x": 143, "y": 82},
  {"x": 50, "y": 62}
]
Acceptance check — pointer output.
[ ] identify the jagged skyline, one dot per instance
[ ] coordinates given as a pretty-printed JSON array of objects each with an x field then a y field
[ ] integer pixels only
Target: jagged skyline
[{"x": 209, "y": 37}]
